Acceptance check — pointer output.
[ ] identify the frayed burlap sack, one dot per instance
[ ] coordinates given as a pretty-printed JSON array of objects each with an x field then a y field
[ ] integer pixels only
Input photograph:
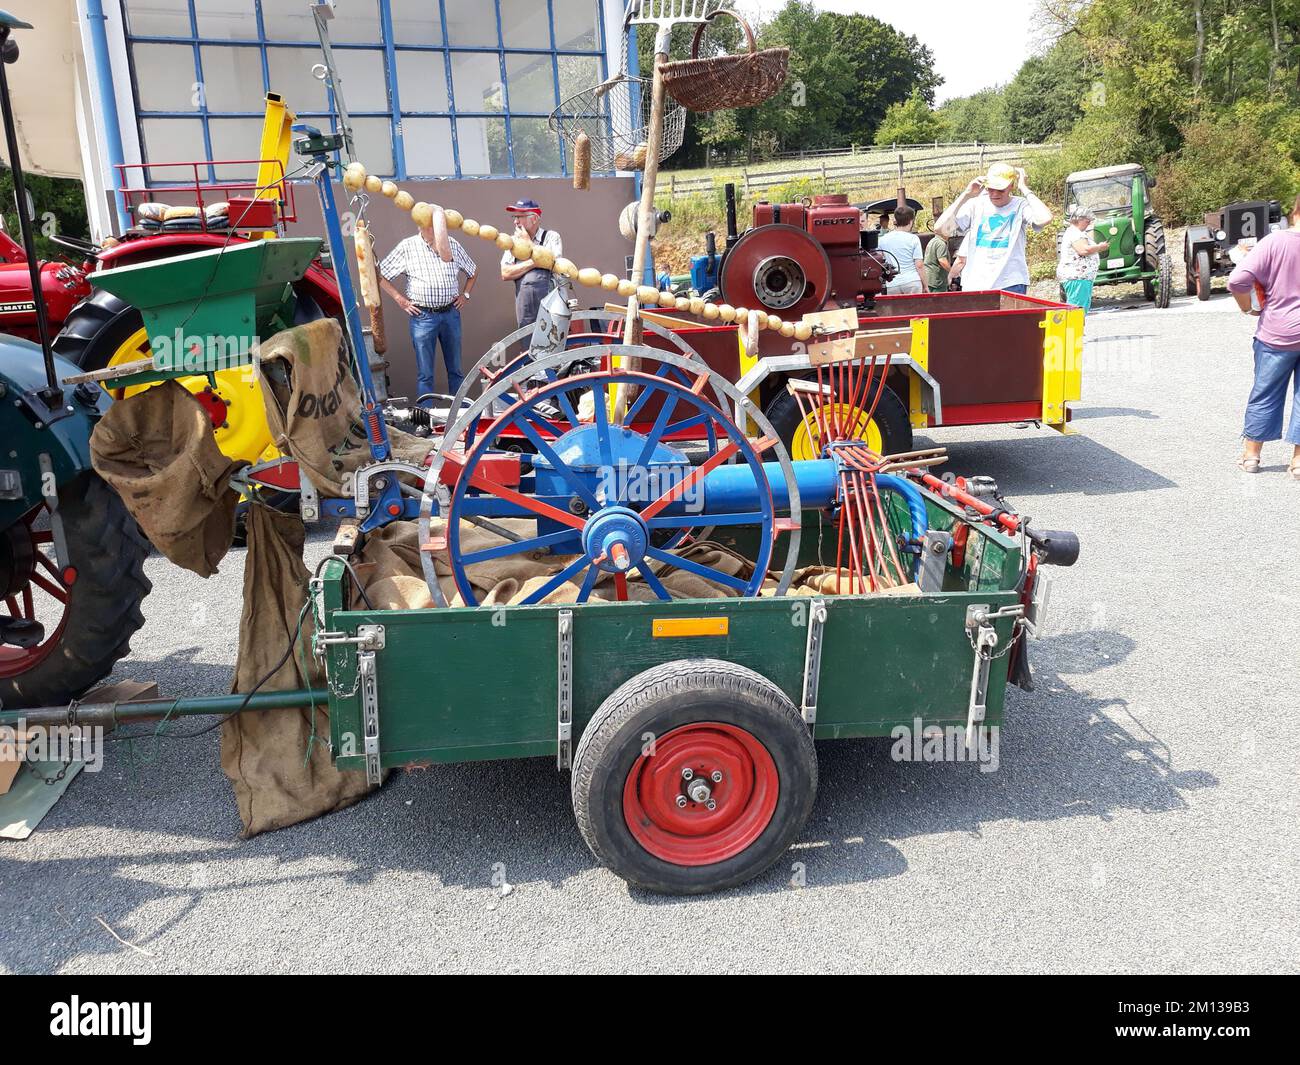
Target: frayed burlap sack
[
  {"x": 279, "y": 760},
  {"x": 157, "y": 450},
  {"x": 313, "y": 406}
]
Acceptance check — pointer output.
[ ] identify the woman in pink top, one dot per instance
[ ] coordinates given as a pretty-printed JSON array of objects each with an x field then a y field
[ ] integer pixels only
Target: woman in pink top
[{"x": 1271, "y": 272}]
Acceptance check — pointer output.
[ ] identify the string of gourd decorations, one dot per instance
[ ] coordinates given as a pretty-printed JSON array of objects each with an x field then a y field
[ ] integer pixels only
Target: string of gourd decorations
[{"x": 444, "y": 220}]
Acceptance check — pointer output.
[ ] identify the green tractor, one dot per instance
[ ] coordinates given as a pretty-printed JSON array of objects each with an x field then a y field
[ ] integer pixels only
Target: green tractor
[{"x": 1121, "y": 198}]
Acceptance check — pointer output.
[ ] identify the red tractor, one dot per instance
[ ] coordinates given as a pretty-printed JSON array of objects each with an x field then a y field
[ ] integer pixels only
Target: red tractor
[{"x": 63, "y": 285}]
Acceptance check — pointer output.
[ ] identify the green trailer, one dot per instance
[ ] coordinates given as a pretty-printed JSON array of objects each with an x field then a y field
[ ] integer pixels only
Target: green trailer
[{"x": 688, "y": 726}]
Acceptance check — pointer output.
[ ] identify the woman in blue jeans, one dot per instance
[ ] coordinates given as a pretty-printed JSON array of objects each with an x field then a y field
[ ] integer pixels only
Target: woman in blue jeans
[{"x": 1267, "y": 284}]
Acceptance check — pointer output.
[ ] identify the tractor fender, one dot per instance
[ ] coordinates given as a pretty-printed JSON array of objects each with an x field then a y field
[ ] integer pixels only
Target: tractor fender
[
  {"x": 1196, "y": 238},
  {"x": 317, "y": 283},
  {"x": 66, "y": 441}
]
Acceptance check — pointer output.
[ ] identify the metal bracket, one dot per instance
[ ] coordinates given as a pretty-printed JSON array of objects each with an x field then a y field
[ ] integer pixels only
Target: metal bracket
[
  {"x": 369, "y": 681},
  {"x": 50, "y": 493},
  {"x": 1036, "y": 615},
  {"x": 812, "y": 661},
  {"x": 308, "y": 498},
  {"x": 934, "y": 560},
  {"x": 362, "y": 478},
  {"x": 979, "y": 626},
  {"x": 564, "y": 753}
]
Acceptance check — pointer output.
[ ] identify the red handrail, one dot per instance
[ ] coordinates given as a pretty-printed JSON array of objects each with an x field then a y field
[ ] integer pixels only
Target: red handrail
[{"x": 216, "y": 190}]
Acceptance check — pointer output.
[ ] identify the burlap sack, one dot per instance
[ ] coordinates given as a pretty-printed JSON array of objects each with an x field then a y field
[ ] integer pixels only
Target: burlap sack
[
  {"x": 277, "y": 781},
  {"x": 157, "y": 450},
  {"x": 313, "y": 406}
]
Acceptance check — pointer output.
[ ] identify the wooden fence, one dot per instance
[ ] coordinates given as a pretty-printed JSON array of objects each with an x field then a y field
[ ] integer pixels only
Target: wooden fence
[{"x": 862, "y": 170}]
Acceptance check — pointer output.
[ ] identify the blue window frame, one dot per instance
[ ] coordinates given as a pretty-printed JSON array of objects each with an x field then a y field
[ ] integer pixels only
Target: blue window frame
[{"x": 442, "y": 88}]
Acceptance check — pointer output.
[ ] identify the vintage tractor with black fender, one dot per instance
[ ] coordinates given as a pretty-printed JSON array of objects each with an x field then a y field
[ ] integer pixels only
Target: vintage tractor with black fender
[{"x": 1212, "y": 249}]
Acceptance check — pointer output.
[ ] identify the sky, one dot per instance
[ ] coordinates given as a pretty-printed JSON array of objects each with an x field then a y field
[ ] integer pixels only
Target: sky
[{"x": 973, "y": 48}]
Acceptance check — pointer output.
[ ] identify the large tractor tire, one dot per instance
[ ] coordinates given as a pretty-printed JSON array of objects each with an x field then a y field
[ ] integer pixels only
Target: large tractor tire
[
  {"x": 1155, "y": 236},
  {"x": 103, "y": 330},
  {"x": 693, "y": 776},
  {"x": 889, "y": 431},
  {"x": 89, "y": 612}
]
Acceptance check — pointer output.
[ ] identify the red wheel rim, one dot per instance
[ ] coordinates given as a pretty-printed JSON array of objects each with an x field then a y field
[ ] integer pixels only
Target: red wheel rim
[
  {"x": 42, "y": 597},
  {"x": 691, "y": 834}
]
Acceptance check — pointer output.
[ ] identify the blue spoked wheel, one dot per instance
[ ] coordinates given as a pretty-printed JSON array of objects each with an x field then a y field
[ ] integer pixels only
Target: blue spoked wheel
[
  {"x": 508, "y": 355},
  {"x": 603, "y": 495}
]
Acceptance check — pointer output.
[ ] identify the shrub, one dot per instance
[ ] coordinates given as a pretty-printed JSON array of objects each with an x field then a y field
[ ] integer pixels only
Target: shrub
[{"x": 1238, "y": 156}]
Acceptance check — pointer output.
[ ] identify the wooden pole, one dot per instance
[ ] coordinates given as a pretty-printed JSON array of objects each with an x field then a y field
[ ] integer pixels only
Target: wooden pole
[
  {"x": 654, "y": 142},
  {"x": 632, "y": 331}
]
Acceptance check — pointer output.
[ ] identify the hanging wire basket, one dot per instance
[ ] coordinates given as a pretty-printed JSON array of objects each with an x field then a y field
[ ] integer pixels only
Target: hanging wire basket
[{"x": 615, "y": 116}]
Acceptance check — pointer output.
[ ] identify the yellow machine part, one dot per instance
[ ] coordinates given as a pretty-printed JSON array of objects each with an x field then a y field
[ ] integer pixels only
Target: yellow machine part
[
  {"x": 245, "y": 434},
  {"x": 1062, "y": 366},
  {"x": 806, "y": 443}
]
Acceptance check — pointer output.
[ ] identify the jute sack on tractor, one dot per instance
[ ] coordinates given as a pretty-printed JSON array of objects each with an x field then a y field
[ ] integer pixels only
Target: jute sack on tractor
[
  {"x": 278, "y": 760},
  {"x": 157, "y": 450},
  {"x": 313, "y": 406}
]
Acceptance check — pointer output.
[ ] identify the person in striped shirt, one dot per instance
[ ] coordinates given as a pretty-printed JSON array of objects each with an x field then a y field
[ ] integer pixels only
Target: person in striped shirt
[{"x": 433, "y": 299}]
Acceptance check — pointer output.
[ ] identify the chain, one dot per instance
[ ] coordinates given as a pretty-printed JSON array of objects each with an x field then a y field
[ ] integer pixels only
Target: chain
[{"x": 1016, "y": 627}]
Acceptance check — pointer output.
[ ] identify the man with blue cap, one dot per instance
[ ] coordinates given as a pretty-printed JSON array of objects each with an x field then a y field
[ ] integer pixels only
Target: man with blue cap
[{"x": 532, "y": 283}]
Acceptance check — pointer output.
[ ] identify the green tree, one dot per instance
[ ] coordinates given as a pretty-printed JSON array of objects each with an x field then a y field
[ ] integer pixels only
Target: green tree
[
  {"x": 911, "y": 122},
  {"x": 886, "y": 67},
  {"x": 1045, "y": 98},
  {"x": 981, "y": 116},
  {"x": 60, "y": 208}
]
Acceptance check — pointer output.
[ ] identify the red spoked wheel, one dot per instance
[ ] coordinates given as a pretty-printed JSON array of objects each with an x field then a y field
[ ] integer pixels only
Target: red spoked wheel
[
  {"x": 706, "y": 793},
  {"x": 693, "y": 776},
  {"x": 35, "y": 590},
  {"x": 88, "y": 604}
]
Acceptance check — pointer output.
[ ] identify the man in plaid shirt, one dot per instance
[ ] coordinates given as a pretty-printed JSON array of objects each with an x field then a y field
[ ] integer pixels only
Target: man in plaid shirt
[{"x": 433, "y": 299}]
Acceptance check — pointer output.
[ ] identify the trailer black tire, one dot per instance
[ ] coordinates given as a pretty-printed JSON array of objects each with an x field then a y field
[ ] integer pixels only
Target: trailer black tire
[
  {"x": 103, "y": 605},
  {"x": 686, "y": 707},
  {"x": 1204, "y": 279},
  {"x": 891, "y": 418}
]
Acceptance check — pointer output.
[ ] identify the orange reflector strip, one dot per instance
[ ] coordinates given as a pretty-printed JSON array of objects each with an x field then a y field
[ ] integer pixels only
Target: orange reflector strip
[{"x": 689, "y": 627}]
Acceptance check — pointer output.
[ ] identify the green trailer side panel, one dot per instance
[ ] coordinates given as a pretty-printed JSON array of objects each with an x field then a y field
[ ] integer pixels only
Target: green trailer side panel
[{"x": 460, "y": 685}]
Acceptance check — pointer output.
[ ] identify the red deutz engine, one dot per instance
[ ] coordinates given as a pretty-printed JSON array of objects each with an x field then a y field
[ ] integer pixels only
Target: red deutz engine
[{"x": 801, "y": 257}]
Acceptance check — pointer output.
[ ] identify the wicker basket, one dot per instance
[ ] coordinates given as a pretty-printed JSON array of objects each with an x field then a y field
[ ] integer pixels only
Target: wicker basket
[{"x": 724, "y": 81}]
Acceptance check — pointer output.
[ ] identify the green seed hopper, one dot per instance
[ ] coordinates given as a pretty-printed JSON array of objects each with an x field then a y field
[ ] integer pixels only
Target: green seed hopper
[{"x": 205, "y": 311}]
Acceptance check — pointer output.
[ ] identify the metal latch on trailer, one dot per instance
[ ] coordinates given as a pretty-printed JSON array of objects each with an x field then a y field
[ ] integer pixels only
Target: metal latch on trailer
[
  {"x": 368, "y": 638},
  {"x": 564, "y": 722},
  {"x": 369, "y": 684},
  {"x": 812, "y": 660},
  {"x": 983, "y": 638}
]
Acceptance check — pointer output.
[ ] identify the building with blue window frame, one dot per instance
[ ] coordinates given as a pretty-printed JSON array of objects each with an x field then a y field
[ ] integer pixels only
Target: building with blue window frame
[
  {"x": 441, "y": 93},
  {"x": 436, "y": 88}
]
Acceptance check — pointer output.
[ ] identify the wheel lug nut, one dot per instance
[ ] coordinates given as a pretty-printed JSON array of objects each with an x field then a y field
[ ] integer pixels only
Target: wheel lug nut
[
  {"x": 711, "y": 804},
  {"x": 716, "y": 776},
  {"x": 687, "y": 773},
  {"x": 681, "y": 801}
]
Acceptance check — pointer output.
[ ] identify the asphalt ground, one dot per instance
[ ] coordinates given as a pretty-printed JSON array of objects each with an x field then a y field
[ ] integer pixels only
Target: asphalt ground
[{"x": 1141, "y": 819}]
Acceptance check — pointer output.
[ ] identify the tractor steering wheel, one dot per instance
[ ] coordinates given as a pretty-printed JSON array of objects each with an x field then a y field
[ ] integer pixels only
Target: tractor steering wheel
[{"x": 81, "y": 247}]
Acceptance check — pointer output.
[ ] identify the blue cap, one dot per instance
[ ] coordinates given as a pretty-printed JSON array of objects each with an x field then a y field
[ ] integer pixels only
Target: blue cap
[{"x": 525, "y": 207}]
